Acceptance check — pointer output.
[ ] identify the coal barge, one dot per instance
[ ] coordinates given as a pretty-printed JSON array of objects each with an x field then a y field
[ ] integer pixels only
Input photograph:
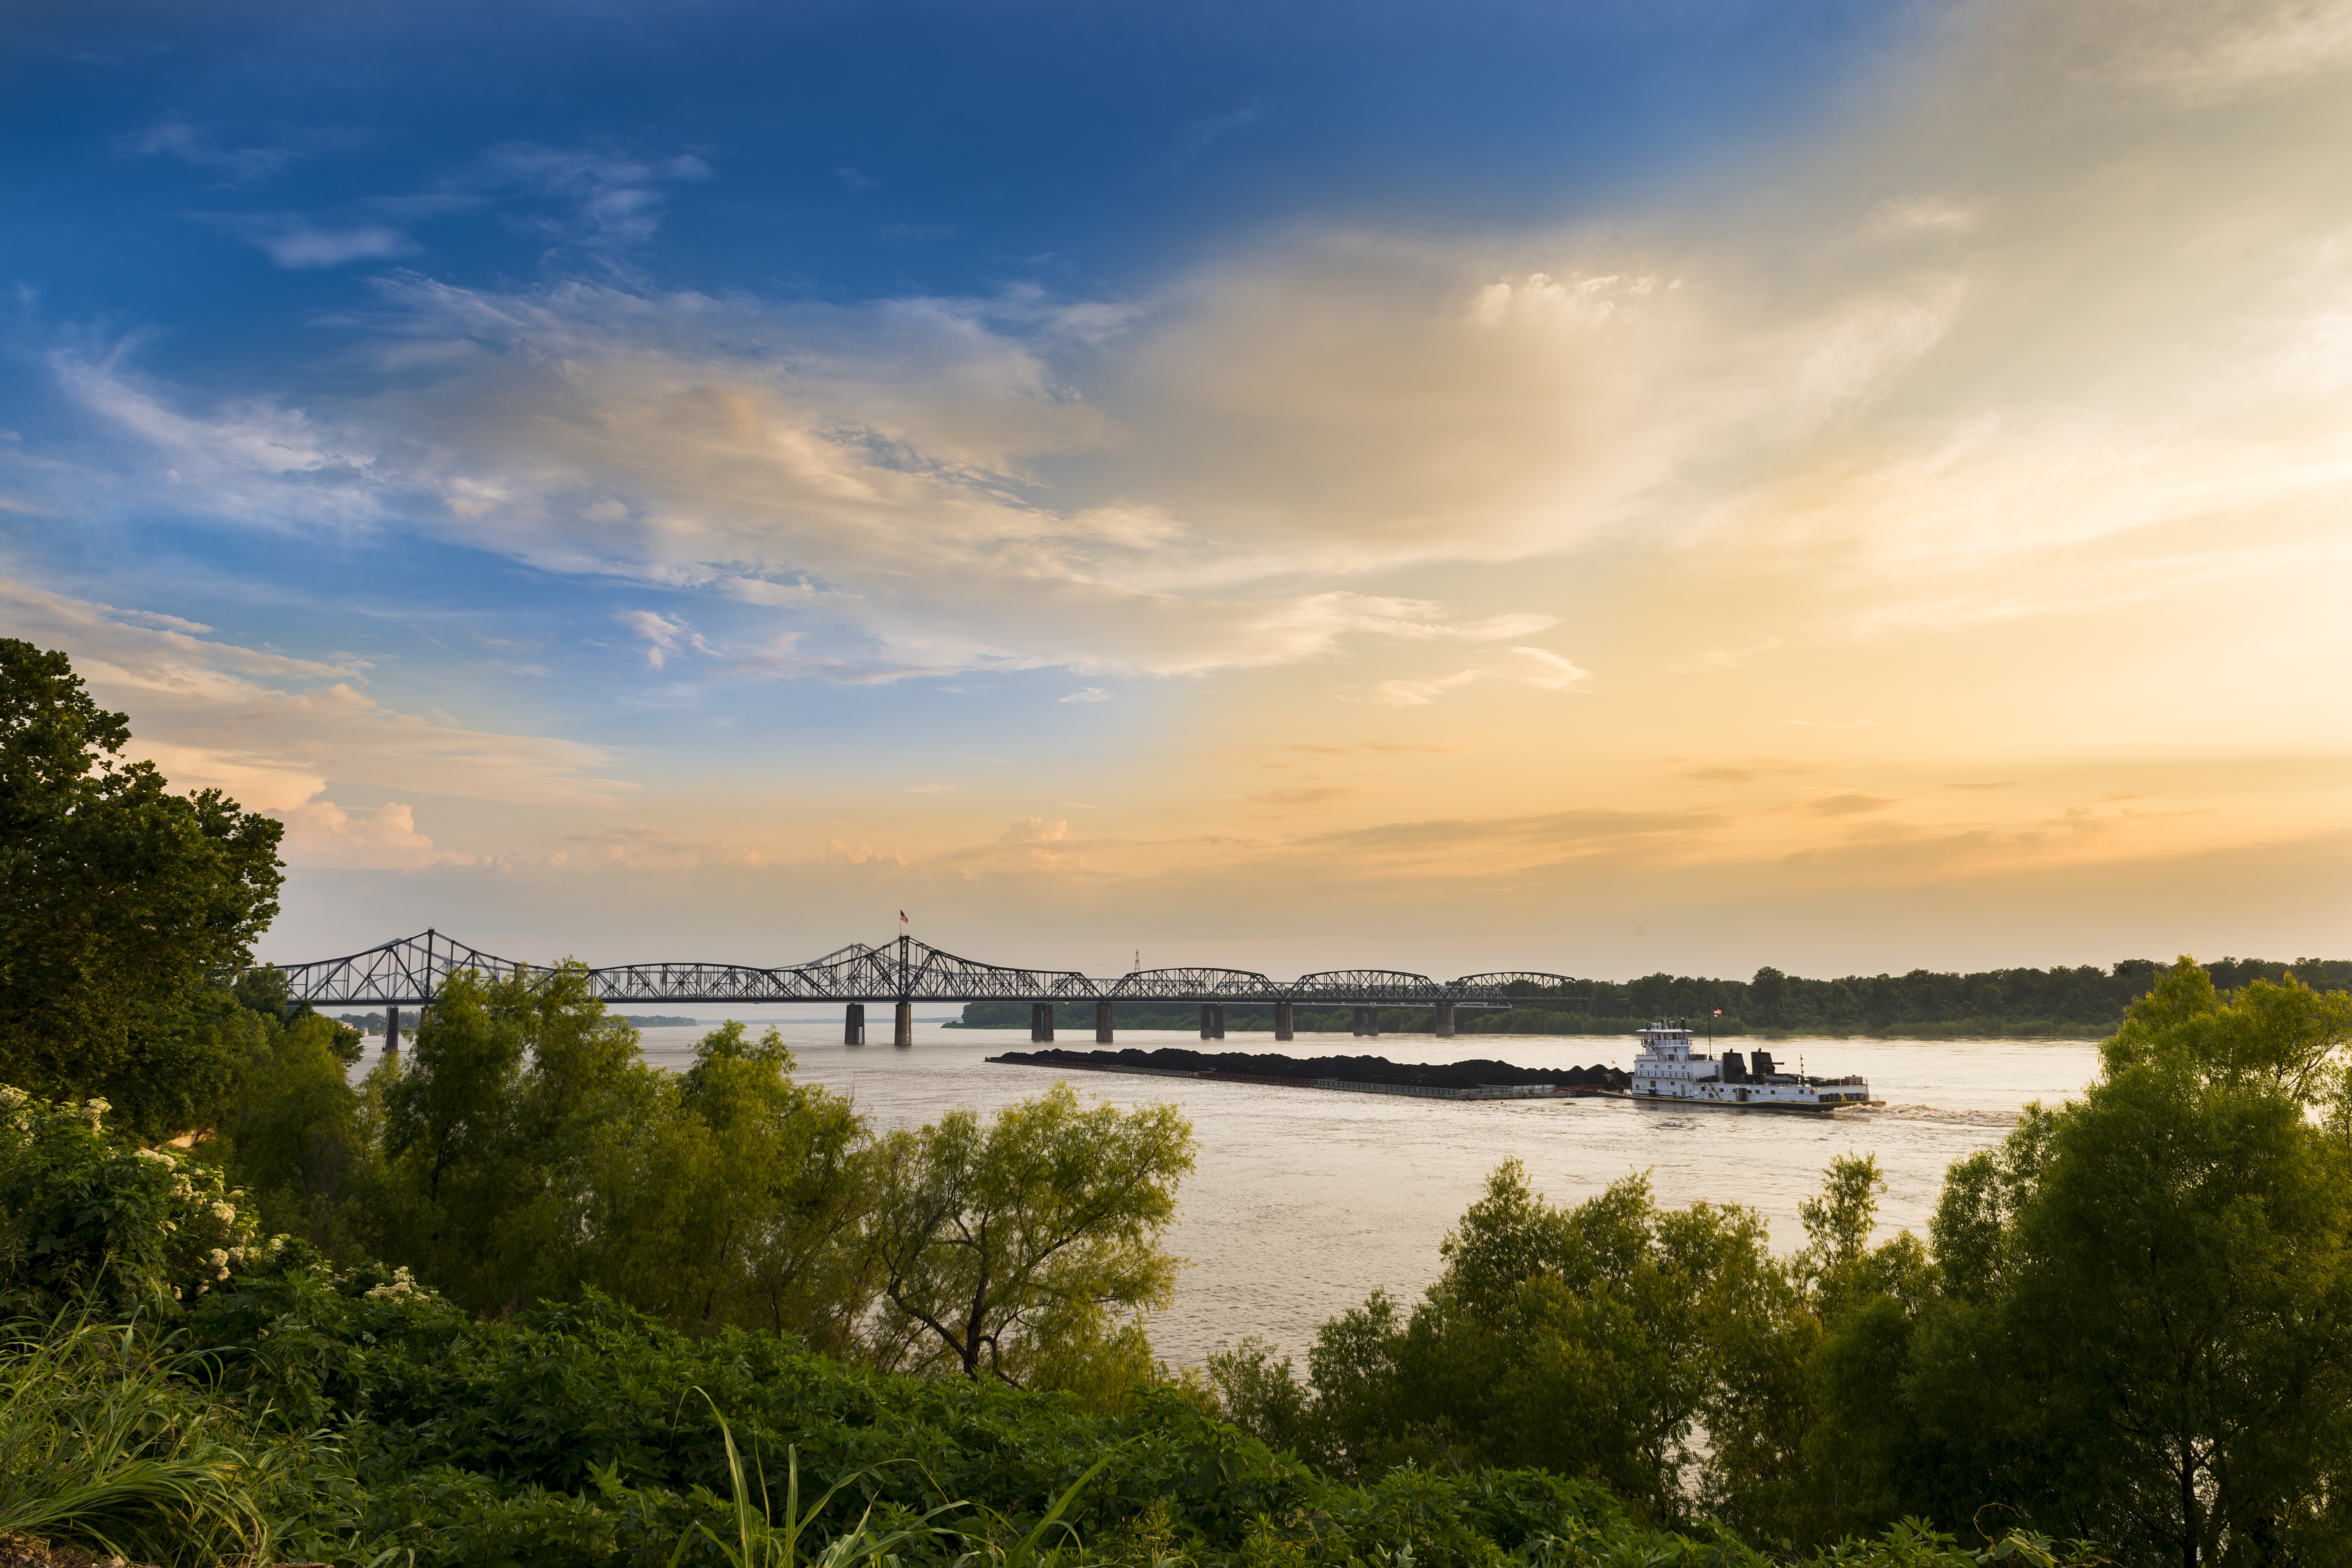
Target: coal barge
[{"x": 1357, "y": 1075}]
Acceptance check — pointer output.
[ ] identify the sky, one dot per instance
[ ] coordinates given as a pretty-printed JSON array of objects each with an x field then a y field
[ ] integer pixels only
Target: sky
[{"x": 1597, "y": 487}]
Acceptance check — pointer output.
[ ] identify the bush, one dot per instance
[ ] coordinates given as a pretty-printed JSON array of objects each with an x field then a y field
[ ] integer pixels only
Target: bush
[{"x": 123, "y": 1230}]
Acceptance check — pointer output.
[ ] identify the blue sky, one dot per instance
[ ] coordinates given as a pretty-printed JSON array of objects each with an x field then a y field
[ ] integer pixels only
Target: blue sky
[
  {"x": 210, "y": 200},
  {"x": 902, "y": 452}
]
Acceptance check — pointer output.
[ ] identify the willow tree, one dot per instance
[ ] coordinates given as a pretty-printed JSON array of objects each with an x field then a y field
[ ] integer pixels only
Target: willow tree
[{"x": 1027, "y": 1248}]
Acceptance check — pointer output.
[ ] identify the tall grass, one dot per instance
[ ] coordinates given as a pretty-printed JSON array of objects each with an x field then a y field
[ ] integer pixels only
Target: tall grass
[
  {"x": 101, "y": 1444},
  {"x": 762, "y": 1541}
]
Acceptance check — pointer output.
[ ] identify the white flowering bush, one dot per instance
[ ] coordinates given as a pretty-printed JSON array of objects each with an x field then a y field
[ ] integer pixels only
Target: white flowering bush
[{"x": 84, "y": 1216}]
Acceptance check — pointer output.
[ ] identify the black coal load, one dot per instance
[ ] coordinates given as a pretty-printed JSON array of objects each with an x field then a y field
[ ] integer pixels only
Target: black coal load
[{"x": 1348, "y": 1069}]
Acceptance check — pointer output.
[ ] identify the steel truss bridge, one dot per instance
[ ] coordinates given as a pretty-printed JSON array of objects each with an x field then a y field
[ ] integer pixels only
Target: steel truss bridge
[{"x": 412, "y": 971}]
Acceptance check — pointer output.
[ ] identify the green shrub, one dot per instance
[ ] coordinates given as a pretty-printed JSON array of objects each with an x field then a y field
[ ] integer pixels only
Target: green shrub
[{"x": 84, "y": 1219}]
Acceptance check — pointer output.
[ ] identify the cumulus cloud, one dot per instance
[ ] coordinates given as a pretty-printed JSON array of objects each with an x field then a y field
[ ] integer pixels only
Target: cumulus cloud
[{"x": 322, "y": 834}]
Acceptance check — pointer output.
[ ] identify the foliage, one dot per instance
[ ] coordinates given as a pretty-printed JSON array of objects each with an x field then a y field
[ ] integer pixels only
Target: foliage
[
  {"x": 118, "y": 903},
  {"x": 101, "y": 1444},
  {"x": 2146, "y": 1331},
  {"x": 587, "y": 1433},
  {"x": 1024, "y": 1250},
  {"x": 297, "y": 1138},
  {"x": 84, "y": 1219},
  {"x": 731, "y": 1195}
]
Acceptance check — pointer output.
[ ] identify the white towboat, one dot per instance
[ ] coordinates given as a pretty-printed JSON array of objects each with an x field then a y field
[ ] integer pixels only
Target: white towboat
[{"x": 1668, "y": 1072}]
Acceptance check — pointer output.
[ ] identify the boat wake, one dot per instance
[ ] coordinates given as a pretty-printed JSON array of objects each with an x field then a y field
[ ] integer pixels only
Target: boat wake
[{"x": 1938, "y": 1113}]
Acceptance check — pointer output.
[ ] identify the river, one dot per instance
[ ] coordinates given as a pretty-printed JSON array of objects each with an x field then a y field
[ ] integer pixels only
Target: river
[{"x": 1304, "y": 1202}]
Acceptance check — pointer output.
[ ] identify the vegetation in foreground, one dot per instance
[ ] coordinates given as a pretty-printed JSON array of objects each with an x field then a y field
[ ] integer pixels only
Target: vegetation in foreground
[{"x": 713, "y": 1316}]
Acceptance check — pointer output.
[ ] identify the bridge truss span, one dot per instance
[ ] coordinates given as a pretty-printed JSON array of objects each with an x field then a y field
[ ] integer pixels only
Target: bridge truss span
[{"x": 412, "y": 972}]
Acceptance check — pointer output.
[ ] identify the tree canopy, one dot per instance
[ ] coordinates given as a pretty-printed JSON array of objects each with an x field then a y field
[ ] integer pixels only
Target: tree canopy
[{"x": 121, "y": 905}]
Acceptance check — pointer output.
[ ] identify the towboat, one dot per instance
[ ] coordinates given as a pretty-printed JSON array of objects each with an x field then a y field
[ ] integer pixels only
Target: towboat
[{"x": 1667, "y": 1072}]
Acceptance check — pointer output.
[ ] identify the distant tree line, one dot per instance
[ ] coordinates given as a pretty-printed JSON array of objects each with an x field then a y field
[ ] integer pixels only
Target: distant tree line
[{"x": 2011, "y": 1001}]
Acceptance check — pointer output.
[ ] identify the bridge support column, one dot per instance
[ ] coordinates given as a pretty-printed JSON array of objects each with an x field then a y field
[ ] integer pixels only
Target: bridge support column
[
  {"x": 1445, "y": 1020},
  {"x": 392, "y": 1031},
  {"x": 1213, "y": 1020},
  {"x": 1284, "y": 1021},
  {"x": 852, "y": 1025},
  {"x": 1102, "y": 1023},
  {"x": 1041, "y": 1021},
  {"x": 1356, "y": 1022},
  {"x": 903, "y": 1032}
]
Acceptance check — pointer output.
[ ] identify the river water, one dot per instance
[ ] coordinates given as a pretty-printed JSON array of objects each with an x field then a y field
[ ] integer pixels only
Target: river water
[{"x": 1303, "y": 1201}]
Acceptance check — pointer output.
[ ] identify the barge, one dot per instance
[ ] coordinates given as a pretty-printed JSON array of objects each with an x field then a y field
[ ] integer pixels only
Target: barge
[{"x": 1345, "y": 1075}]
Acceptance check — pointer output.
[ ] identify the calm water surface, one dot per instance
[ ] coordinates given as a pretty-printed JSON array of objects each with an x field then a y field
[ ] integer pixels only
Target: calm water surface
[{"x": 1304, "y": 1202}]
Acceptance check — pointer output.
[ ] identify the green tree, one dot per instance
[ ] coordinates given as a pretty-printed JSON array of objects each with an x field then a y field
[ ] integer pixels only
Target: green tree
[
  {"x": 726, "y": 1195},
  {"x": 2146, "y": 1332},
  {"x": 296, "y": 1140},
  {"x": 1026, "y": 1248},
  {"x": 1588, "y": 1339},
  {"x": 119, "y": 903}
]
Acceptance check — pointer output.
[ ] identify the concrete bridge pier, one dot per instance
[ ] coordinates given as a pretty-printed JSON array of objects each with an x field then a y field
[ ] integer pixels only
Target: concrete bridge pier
[
  {"x": 903, "y": 1031},
  {"x": 392, "y": 1031},
  {"x": 1368, "y": 1021},
  {"x": 852, "y": 1025},
  {"x": 1041, "y": 1022},
  {"x": 1284, "y": 1021},
  {"x": 1445, "y": 1020},
  {"x": 1102, "y": 1023},
  {"x": 1213, "y": 1020}
]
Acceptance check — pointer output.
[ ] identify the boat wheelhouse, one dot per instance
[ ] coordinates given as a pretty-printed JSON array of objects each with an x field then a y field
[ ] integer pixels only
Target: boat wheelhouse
[{"x": 1668, "y": 1071}]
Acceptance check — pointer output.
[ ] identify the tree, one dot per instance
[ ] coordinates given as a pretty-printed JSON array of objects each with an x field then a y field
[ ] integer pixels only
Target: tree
[
  {"x": 1026, "y": 1248},
  {"x": 1769, "y": 989},
  {"x": 120, "y": 904},
  {"x": 1588, "y": 1339},
  {"x": 727, "y": 1195},
  {"x": 2145, "y": 1333},
  {"x": 294, "y": 1139}
]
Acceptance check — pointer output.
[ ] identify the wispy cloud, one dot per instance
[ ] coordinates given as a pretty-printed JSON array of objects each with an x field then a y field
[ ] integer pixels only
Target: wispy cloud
[
  {"x": 614, "y": 199},
  {"x": 1538, "y": 667},
  {"x": 295, "y": 242},
  {"x": 275, "y": 731},
  {"x": 229, "y": 166},
  {"x": 663, "y": 635},
  {"x": 1200, "y": 133}
]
